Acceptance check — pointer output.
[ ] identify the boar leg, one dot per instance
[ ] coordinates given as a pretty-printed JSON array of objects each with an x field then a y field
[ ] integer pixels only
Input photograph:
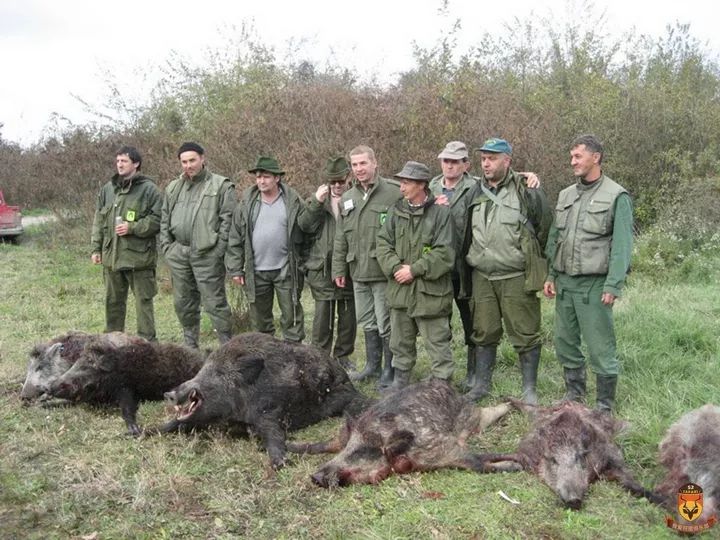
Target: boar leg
[
  {"x": 621, "y": 475},
  {"x": 128, "y": 406},
  {"x": 273, "y": 439},
  {"x": 490, "y": 415},
  {"x": 492, "y": 463}
]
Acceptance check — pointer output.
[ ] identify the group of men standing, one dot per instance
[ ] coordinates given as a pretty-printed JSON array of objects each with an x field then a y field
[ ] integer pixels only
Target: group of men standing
[{"x": 388, "y": 255}]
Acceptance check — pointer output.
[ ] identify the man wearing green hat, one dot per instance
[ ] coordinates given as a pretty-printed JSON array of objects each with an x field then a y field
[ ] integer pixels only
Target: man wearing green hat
[
  {"x": 505, "y": 234},
  {"x": 264, "y": 250},
  {"x": 194, "y": 228},
  {"x": 415, "y": 251},
  {"x": 319, "y": 220},
  {"x": 363, "y": 209},
  {"x": 589, "y": 249}
]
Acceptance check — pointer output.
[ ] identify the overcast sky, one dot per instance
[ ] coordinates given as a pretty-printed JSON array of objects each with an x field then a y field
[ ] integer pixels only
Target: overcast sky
[{"x": 56, "y": 51}]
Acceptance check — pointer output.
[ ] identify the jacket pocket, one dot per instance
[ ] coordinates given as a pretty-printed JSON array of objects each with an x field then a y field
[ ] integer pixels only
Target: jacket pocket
[
  {"x": 434, "y": 298},
  {"x": 562, "y": 212},
  {"x": 597, "y": 217}
]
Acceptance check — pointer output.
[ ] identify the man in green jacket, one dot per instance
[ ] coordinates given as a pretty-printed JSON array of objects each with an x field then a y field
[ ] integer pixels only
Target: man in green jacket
[
  {"x": 362, "y": 212},
  {"x": 415, "y": 251},
  {"x": 126, "y": 222},
  {"x": 319, "y": 220},
  {"x": 194, "y": 231},
  {"x": 589, "y": 250},
  {"x": 265, "y": 250},
  {"x": 506, "y": 231}
]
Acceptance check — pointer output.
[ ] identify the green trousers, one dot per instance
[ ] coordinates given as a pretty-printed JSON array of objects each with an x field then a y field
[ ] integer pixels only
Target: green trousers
[
  {"x": 435, "y": 332},
  {"x": 196, "y": 279},
  {"x": 580, "y": 314},
  {"x": 370, "y": 306},
  {"x": 504, "y": 301},
  {"x": 324, "y": 326},
  {"x": 272, "y": 283},
  {"x": 144, "y": 288}
]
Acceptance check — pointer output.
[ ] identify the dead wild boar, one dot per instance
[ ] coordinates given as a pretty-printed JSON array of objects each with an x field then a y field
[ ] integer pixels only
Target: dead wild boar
[
  {"x": 126, "y": 375},
  {"x": 264, "y": 386},
  {"x": 49, "y": 360},
  {"x": 570, "y": 446},
  {"x": 421, "y": 427},
  {"x": 690, "y": 451}
]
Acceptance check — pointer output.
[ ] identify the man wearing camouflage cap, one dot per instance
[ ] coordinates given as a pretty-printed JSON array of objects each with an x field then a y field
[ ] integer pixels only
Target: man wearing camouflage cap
[
  {"x": 319, "y": 221},
  {"x": 505, "y": 234},
  {"x": 415, "y": 251},
  {"x": 264, "y": 250}
]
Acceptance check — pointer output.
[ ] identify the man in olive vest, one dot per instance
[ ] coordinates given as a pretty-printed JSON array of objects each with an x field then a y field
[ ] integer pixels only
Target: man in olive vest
[
  {"x": 321, "y": 214},
  {"x": 126, "y": 223},
  {"x": 363, "y": 210},
  {"x": 415, "y": 250},
  {"x": 194, "y": 231},
  {"x": 589, "y": 250},
  {"x": 506, "y": 231},
  {"x": 265, "y": 250}
]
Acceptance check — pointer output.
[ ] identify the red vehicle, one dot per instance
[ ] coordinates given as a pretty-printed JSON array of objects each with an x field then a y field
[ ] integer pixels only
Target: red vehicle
[{"x": 10, "y": 221}]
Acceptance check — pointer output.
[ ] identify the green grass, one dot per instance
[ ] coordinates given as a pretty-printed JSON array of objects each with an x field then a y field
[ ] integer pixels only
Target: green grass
[{"x": 71, "y": 472}]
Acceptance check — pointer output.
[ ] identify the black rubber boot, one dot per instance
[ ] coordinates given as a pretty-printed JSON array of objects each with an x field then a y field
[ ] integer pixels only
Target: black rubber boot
[
  {"x": 575, "y": 387},
  {"x": 606, "y": 385},
  {"x": 470, "y": 379},
  {"x": 373, "y": 353},
  {"x": 529, "y": 362},
  {"x": 191, "y": 336},
  {"x": 484, "y": 366},
  {"x": 386, "y": 379},
  {"x": 400, "y": 380}
]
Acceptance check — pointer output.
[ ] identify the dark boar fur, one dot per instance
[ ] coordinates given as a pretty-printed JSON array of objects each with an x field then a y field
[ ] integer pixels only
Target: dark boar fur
[
  {"x": 571, "y": 446},
  {"x": 265, "y": 386},
  {"x": 422, "y": 427},
  {"x": 49, "y": 360},
  {"x": 127, "y": 374},
  {"x": 690, "y": 451}
]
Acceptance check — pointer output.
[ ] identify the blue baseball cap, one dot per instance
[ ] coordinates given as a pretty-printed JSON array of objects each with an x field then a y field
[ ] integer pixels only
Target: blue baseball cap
[{"x": 496, "y": 146}]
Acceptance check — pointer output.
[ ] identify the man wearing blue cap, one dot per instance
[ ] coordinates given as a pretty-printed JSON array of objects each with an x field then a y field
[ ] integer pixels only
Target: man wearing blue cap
[
  {"x": 589, "y": 249},
  {"x": 505, "y": 234}
]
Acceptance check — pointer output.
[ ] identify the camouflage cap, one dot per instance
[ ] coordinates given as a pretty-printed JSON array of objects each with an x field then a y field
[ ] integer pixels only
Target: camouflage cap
[
  {"x": 414, "y": 170},
  {"x": 496, "y": 146},
  {"x": 454, "y": 150}
]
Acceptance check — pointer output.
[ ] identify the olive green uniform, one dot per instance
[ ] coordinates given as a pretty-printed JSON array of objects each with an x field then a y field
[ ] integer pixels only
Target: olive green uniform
[
  {"x": 421, "y": 237},
  {"x": 319, "y": 221},
  {"x": 261, "y": 286},
  {"x": 129, "y": 260},
  {"x": 354, "y": 253},
  {"x": 493, "y": 248},
  {"x": 194, "y": 231},
  {"x": 589, "y": 248}
]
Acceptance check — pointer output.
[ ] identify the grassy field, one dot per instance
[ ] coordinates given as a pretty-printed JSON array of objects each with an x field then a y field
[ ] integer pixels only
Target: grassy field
[{"x": 73, "y": 473}]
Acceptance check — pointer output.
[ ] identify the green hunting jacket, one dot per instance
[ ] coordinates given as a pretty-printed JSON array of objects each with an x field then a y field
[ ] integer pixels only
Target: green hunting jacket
[
  {"x": 422, "y": 238},
  {"x": 461, "y": 199},
  {"x": 361, "y": 216},
  {"x": 140, "y": 204},
  {"x": 592, "y": 234},
  {"x": 318, "y": 222},
  {"x": 240, "y": 259}
]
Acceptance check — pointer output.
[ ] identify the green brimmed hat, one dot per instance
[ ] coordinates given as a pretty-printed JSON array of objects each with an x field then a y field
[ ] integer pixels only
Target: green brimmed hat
[
  {"x": 267, "y": 164},
  {"x": 414, "y": 170},
  {"x": 496, "y": 146},
  {"x": 337, "y": 167}
]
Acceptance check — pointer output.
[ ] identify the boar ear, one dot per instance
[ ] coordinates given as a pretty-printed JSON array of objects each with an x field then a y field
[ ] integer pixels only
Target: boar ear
[
  {"x": 398, "y": 444},
  {"x": 250, "y": 367}
]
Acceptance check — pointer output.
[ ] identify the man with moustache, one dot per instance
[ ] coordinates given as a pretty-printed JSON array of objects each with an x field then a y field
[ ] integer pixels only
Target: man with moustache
[
  {"x": 194, "y": 231},
  {"x": 331, "y": 302},
  {"x": 589, "y": 249},
  {"x": 363, "y": 210},
  {"x": 264, "y": 252},
  {"x": 126, "y": 223},
  {"x": 506, "y": 230},
  {"x": 415, "y": 251}
]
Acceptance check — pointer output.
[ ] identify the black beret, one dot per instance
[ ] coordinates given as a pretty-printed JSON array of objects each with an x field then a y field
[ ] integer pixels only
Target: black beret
[{"x": 191, "y": 147}]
